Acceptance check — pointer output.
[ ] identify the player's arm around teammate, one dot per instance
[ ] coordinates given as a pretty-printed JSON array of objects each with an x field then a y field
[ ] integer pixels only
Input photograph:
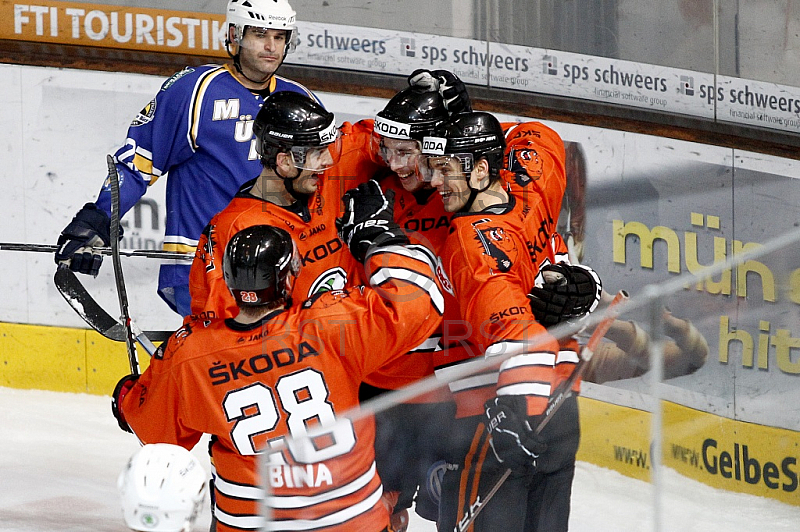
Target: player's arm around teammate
[{"x": 300, "y": 364}]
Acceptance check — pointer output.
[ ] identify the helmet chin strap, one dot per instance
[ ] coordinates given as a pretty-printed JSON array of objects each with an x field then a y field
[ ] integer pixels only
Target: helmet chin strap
[
  {"x": 288, "y": 182},
  {"x": 473, "y": 193},
  {"x": 237, "y": 64}
]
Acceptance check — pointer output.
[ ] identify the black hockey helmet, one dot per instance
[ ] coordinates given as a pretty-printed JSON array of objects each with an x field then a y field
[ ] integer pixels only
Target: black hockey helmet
[
  {"x": 412, "y": 113},
  {"x": 295, "y": 123},
  {"x": 469, "y": 137},
  {"x": 257, "y": 262}
]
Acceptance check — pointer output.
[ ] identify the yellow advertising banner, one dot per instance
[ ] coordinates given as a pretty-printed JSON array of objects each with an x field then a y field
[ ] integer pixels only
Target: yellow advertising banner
[
  {"x": 732, "y": 455},
  {"x": 130, "y": 28},
  {"x": 717, "y": 451}
]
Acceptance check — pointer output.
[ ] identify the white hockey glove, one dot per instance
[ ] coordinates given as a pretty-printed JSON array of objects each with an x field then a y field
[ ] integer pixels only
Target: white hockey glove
[
  {"x": 453, "y": 91},
  {"x": 569, "y": 292},
  {"x": 368, "y": 219},
  {"x": 513, "y": 440},
  {"x": 89, "y": 229}
]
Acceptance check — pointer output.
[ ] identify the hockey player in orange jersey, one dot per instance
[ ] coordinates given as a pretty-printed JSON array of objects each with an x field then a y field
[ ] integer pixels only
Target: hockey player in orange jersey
[
  {"x": 296, "y": 139},
  {"x": 497, "y": 250},
  {"x": 280, "y": 369},
  {"x": 409, "y": 434}
]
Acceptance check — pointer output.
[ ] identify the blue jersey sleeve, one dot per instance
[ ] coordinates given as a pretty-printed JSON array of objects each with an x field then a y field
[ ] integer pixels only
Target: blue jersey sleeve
[{"x": 158, "y": 139}]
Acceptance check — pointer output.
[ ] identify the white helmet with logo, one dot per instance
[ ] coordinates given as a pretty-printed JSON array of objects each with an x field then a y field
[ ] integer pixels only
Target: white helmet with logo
[
  {"x": 162, "y": 489},
  {"x": 269, "y": 14}
]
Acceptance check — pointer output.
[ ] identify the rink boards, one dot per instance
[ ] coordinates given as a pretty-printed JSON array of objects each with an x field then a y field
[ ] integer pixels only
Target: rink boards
[{"x": 720, "y": 452}]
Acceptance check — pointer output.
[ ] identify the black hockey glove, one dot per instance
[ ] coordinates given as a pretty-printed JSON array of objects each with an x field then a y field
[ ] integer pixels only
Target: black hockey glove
[
  {"x": 123, "y": 387},
  {"x": 513, "y": 440},
  {"x": 453, "y": 91},
  {"x": 368, "y": 219},
  {"x": 569, "y": 292},
  {"x": 89, "y": 229}
]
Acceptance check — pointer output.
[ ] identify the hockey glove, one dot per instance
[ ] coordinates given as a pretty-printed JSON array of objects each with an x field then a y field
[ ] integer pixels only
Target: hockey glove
[
  {"x": 568, "y": 292},
  {"x": 513, "y": 440},
  {"x": 123, "y": 387},
  {"x": 89, "y": 229},
  {"x": 453, "y": 91},
  {"x": 368, "y": 219}
]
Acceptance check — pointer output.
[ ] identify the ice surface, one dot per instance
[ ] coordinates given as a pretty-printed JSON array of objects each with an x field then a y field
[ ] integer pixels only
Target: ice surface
[{"x": 60, "y": 455}]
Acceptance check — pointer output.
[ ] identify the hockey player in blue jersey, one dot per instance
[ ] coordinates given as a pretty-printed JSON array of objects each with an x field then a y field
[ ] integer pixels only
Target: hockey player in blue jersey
[{"x": 199, "y": 130}]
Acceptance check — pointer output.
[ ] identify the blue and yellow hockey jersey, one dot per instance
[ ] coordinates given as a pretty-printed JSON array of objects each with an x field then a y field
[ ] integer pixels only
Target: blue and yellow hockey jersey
[{"x": 199, "y": 130}]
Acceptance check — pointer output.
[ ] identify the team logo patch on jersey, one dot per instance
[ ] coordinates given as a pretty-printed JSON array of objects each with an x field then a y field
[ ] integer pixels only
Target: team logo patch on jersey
[
  {"x": 333, "y": 279},
  {"x": 145, "y": 115},
  {"x": 326, "y": 299},
  {"x": 526, "y": 165},
  {"x": 499, "y": 249}
]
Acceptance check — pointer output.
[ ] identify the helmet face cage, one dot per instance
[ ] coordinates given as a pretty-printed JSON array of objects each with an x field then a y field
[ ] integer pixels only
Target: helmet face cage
[
  {"x": 311, "y": 152},
  {"x": 427, "y": 165},
  {"x": 404, "y": 153},
  {"x": 317, "y": 158},
  {"x": 267, "y": 14}
]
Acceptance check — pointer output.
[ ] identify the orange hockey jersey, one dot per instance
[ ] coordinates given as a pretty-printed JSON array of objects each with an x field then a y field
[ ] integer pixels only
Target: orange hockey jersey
[
  {"x": 535, "y": 165},
  {"x": 490, "y": 262},
  {"x": 421, "y": 214},
  {"x": 425, "y": 221},
  {"x": 292, "y": 374},
  {"x": 327, "y": 264}
]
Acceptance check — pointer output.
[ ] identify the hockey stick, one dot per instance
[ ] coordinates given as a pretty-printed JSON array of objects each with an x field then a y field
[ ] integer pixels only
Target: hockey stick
[
  {"x": 564, "y": 390},
  {"x": 87, "y": 308},
  {"x": 93, "y": 314},
  {"x": 147, "y": 253},
  {"x": 130, "y": 338},
  {"x": 561, "y": 394}
]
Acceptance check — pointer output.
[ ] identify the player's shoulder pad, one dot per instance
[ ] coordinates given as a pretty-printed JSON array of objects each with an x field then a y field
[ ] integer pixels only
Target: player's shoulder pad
[
  {"x": 366, "y": 125},
  {"x": 357, "y": 129}
]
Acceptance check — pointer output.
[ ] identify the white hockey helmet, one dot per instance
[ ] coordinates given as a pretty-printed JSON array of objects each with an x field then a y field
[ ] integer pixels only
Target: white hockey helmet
[
  {"x": 162, "y": 489},
  {"x": 269, "y": 14}
]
